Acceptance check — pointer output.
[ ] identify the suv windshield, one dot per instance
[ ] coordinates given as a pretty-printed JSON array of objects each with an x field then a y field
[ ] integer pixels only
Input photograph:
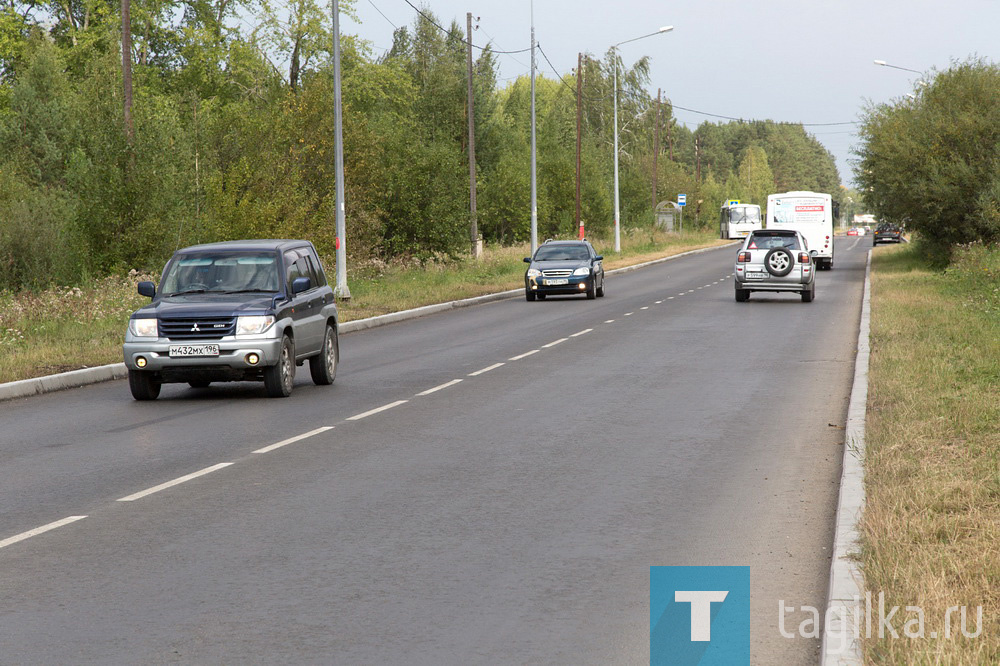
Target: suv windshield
[
  {"x": 562, "y": 253},
  {"x": 222, "y": 272},
  {"x": 768, "y": 241}
]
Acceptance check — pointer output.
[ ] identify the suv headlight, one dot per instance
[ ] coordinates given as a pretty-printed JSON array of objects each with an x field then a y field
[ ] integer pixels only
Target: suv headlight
[
  {"x": 144, "y": 328},
  {"x": 582, "y": 270},
  {"x": 253, "y": 324},
  {"x": 533, "y": 272}
]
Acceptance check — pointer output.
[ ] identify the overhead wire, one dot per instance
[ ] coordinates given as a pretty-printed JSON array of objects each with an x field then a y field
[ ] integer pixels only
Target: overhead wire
[{"x": 464, "y": 41}]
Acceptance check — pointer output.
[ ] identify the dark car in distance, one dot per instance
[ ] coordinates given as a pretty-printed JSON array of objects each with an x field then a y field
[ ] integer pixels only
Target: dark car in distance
[
  {"x": 564, "y": 267},
  {"x": 886, "y": 232},
  {"x": 234, "y": 311}
]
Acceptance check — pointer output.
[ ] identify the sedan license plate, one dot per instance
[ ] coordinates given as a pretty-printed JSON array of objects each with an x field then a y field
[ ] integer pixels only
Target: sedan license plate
[
  {"x": 552, "y": 283},
  {"x": 756, "y": 276},
  {"x": 194, "y": 350}
]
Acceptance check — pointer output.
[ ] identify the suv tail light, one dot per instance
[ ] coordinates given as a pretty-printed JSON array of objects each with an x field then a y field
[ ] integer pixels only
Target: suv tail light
[
  {"x": 803, "y": 257},
  {"x": 743, "y": 257}
]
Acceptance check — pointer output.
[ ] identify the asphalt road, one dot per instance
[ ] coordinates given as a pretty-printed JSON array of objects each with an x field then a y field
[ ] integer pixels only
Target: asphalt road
[{"x": 510, "y": 517}]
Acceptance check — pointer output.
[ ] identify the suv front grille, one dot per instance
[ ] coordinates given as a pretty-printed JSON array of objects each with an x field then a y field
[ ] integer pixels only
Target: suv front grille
[
  {"x": 201, "y": 328},
  {"x": 557, "y": 272}
]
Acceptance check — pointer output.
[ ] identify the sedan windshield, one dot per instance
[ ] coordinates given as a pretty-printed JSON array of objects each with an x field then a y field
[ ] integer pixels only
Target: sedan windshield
[
  {"x": 562, "y": 253},
  {"x": 221, "y": 272}
]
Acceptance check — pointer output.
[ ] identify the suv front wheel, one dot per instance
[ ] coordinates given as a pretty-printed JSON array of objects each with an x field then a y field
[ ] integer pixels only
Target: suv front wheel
[
  {"x": 143, "y": 385},
  {"x": 278, "y": 378}
]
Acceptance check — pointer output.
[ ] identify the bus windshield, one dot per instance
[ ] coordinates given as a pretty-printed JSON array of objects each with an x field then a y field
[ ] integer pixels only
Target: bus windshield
[{"x": 744, "y": 215}]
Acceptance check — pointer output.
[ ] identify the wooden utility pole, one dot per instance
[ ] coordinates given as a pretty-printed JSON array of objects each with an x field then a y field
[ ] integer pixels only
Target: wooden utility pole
[
  {"x": 127, "y": 67},
  {"x": 473, "y": 223},
  {"x": 670, "y": 140},
  {"x": 697, "y": 157},
  {"x": 656, "y": 145},
  {"x": 579, "y": 116}
]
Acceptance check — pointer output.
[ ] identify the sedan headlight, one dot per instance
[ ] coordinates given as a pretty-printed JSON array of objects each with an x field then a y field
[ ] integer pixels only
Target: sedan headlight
[
  {"x": 582, "y": 270},
  {"x": 253, "y": 324},
  {"x": 144, "y": 328},
  {"x": 533, "y": 272}
]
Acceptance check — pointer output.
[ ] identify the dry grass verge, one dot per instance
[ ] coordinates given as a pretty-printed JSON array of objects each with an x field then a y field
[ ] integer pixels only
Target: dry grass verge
[{"x": 931, "y": 528}]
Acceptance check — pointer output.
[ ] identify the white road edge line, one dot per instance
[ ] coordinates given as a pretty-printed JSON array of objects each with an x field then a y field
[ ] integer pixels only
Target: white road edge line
[
  {"x": 583, "y": 332},
  {"x": 39, "y": 530},
  {"x": 524, "y": 355},
  {"x": 486, "y": 369},
  {"x": 292, "y": 440},
  {"x": 439, "y": 387},
  {"x": 554, "y": 343},
  {"x": 175, "y": 482},
  {"x": 358, "y": 417}
]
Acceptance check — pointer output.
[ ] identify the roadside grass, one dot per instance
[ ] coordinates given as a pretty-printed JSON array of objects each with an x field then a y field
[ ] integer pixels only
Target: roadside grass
[
  {"x": 931, "y": 526},
  {"x": 66, "y": 328}
]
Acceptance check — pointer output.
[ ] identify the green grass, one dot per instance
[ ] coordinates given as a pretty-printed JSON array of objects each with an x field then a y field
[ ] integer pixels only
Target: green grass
[
  {"x": 64, "y": 328},
  {"x": 932, "y": 521}
]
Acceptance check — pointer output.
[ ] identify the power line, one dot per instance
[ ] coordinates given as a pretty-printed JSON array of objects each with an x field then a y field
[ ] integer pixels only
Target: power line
[
  {"x": 560, "y": 77},
  {"x": 396, "y": 27},
  {"x": 446, "y": 31}
]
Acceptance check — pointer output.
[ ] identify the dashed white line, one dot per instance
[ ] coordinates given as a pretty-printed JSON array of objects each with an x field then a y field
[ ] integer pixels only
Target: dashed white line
[
  {"x": 681, "y": 294},
  {"x": 583, "y": 332},
  {"x": 700, "y": 287},
  {"x": 39, "y": 530},
  {"x": 370, "y": 412},
  {"x": 524, "y": 355},
  {"x": 691, "y": 291},
  {"x": 658, "y": 302},
  {"x": 486, "y": 369},
  {"x": 439, "y": 387},
  {"x": 609, "y": 321},
  {"x": 629, "y": 314},
  {"x": 175, "y": 482},
  {"x": 708, "y": 285},
  {"x": 292, "y": 440},
  {"x": 644, "y": 307},
  {"x": 554, "y": 343},
  {"x": 670, "y": 298}
]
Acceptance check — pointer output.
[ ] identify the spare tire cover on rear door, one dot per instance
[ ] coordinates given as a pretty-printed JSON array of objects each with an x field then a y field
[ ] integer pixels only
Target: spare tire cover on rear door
[{"x": 778, "y": 261}]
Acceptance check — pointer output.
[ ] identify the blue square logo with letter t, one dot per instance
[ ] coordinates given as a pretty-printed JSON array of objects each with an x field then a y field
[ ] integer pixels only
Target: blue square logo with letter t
[{"x": 699, "y": 616}]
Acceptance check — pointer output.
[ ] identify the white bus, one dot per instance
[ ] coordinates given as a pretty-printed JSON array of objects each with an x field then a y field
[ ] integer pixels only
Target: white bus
[
  {"x": 809, "y": 213},
  {"x": 737, "y": 220}
]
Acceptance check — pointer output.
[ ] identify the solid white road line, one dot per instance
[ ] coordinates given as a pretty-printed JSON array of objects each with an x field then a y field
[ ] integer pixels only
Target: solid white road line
[
  {"x": 553, "y": 344},
  {"x": 583, "y": 332},
  {"x": 362, "y": 415},
  {"x": 524, "y": 355},
  {"x": 292, "y": 440},
  {"x": 486, "y": 369},
  {"x": 438, "y": 388},
  {"x": 39, "y": 530},
  {"x": 177, "y": 481}
]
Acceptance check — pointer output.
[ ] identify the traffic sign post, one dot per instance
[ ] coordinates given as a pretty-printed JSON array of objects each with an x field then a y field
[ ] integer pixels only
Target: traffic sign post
[{"x": 682, "y": 201}]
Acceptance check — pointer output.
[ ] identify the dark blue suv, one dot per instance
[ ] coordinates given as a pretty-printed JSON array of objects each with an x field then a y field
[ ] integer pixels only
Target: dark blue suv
[
  {"x": 235, "y": 311},
  {"x": 564, "y": 267}
]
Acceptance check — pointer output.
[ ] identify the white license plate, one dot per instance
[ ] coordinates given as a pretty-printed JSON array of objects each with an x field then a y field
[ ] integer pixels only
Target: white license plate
[
  {"x": 553, "y": 283},
  {"x": 194, "y": 350},
  {"x": 756, "y": 276}
]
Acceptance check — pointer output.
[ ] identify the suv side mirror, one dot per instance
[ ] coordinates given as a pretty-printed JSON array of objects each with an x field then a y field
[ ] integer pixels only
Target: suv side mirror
[
  {"x": 599, "y": 257},
  {"x": 147, "y": 289},
  {"x": 301, "y": 284},
  {"x": 527, "y": 260}
]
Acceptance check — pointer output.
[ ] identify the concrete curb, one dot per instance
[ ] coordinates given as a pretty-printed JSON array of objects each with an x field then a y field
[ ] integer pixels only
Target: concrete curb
[
  {"x": 76, "y": 378},
  {"x": 845, "y": 605}
]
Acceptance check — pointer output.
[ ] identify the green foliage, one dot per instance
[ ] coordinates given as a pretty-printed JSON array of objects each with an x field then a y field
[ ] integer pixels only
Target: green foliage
[{"x": 934, "y": 162}]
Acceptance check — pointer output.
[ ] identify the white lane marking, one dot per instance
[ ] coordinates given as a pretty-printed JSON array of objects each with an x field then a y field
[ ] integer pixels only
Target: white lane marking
[
  {"x": 175, "y": 482},
  {"x": 610, "y": 321},
  {"x": 553, "y": 344},
  {"x": 439, "y": 387},
  {"x": 584, "y": 331},
  {"x": 629, "y": 314},
  {"x": 644, "y": 307},
  {"x": 658, "y": 302},
  {"x": 691, "y": 291},
  {"x": 708, "y": 285},
  {"x": 700, "y": 287},
  {"x": 292, "y": 440},
  {"x": 362, "y": 415},
  {"x": 670, "y": 298},
  {"x": 681, "y": 294},
  {"x": 486, "y": 369},
  {"x": 524, "y": 355},
  {"x": 39, "y": 530}
]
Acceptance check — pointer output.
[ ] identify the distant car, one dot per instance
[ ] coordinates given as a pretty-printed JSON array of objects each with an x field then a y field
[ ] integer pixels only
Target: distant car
[
  {"x": 564, "y": 267},
  {"x": 234, "y": 311},
  {"x": 853, "y": 231},
  {"x": 775, "y": 260},
  {"x": 888, "y": 232}
]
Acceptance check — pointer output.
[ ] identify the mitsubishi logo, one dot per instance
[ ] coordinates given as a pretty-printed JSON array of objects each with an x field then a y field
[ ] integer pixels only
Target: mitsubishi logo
[{"x": 195, "y": 329}]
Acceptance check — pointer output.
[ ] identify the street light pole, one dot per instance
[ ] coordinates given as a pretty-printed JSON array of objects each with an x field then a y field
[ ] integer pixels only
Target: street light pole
[
  {"x": 534, "y": 185},
  {"x": 883, "y": 63},
  {"x": 341, "y": 291},
  {"x": 618, "y": 237}
]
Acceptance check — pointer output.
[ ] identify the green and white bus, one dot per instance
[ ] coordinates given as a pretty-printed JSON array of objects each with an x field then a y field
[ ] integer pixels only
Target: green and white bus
[{"x": 737, "y": 220}]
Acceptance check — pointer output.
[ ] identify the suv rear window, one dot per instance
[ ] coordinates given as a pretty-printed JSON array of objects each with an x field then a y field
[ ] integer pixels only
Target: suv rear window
[{"x": 768, "y": 241}]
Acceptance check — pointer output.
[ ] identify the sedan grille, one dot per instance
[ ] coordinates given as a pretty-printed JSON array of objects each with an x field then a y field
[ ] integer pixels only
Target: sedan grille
[
  {"x": 201, "y": 328},
  {"x": 557, "y": 272}
]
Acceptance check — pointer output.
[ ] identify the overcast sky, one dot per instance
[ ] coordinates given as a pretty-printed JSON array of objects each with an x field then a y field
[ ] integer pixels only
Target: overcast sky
[{"x": 788, "y": 60}]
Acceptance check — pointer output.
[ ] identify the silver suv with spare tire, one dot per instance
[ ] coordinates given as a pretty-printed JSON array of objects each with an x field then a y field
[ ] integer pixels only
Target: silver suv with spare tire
[
  {"x": 775, "y": 260},
  {"x": 235, "y": 311}
]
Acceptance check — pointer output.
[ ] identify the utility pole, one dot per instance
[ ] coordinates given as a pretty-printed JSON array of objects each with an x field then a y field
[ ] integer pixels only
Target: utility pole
[
  {"x": 473, "y": 224},
  {"x": 670, "y": 140},
  {"x": 341, "y": 291},
  {"x": 697, "y": 157},
  {"x": 534, "y": 184},
  {"x": 127, "y": 67},
  {"x": 579, "y": 116},
  {"x": 656, "y": 145}
]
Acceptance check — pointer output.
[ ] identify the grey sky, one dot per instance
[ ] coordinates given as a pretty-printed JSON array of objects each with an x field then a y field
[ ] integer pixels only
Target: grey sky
[{"x": 789, "y": 60}]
